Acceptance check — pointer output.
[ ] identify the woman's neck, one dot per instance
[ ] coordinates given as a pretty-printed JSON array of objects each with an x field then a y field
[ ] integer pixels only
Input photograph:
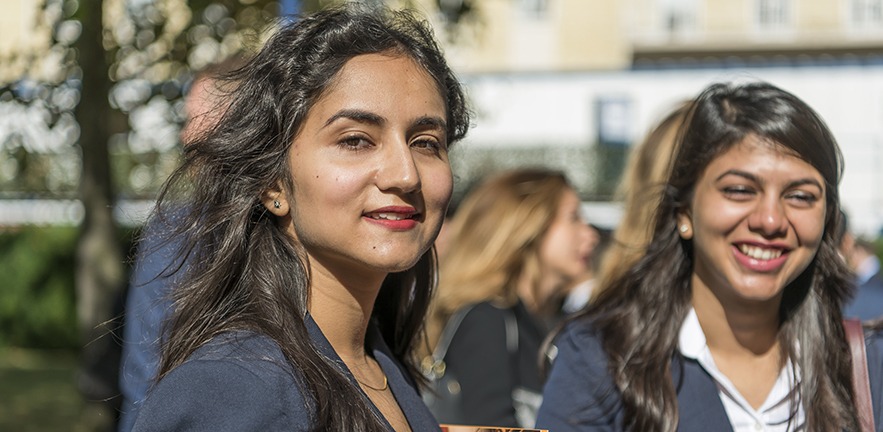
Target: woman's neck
[
  {"x": 534, "y": 294},
  {"x": 742, "y": 337},
  {"x": 342, "y": 308},
  {"x": 749, "y": 328}
]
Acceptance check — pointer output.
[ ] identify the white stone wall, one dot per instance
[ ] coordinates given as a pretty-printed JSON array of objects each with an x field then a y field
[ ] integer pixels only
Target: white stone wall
[{"x": 559, "y": 110}]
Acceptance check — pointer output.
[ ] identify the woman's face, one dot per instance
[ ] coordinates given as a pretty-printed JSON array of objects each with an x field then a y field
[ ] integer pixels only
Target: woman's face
[
  {"x": 567, "y": 245},
  {"x": 756, "y": 221},
  {"x": 370, "y": 168}
]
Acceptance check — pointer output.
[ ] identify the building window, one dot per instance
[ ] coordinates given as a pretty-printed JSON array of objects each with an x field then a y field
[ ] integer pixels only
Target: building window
[
  {"x": 867, "y": 13},
  {"x": 773, "y": 14},
  {"x": 534, "y": 8},
  {"x": 678, "y": 16}
]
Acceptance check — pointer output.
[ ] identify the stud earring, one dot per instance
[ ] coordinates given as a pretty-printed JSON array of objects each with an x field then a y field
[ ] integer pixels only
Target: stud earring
[
  {"x": 276, "y": 204},
  {"x": 684, "y": 228}
]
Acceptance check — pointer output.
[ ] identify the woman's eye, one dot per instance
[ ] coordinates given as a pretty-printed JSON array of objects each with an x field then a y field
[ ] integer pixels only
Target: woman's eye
[
  {"x": 428, "y": 144},
  {"x": 354, "y": 142},
  {"x": 801, "y": 197},
  {"x": 738, "y": 192}
]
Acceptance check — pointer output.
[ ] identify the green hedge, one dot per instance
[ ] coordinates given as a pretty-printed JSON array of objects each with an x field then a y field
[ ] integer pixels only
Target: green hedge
[
  {"x": 37, "y": 308},
  {"x": 37, "y": 297}
]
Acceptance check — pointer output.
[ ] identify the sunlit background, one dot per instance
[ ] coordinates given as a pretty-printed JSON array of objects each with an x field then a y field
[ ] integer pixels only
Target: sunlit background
[{"x": 91, "y": 106}]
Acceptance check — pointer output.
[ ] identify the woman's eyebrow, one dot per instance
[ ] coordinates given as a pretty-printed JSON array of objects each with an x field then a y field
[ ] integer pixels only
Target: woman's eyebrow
[
  {"x": 805, "y": 181},
  {"x": 360, "y": 116},
  {"x": 739, "y": 173},
  {"x": 431, "y": 121},
  {"x": 756, "y": 179},
  {"x": 428, "y": 122}
]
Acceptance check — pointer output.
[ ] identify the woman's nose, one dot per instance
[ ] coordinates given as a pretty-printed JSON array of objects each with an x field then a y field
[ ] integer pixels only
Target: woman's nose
[
  {"x": 769, "y": 218},
  {"x": 398, "y": 169}
]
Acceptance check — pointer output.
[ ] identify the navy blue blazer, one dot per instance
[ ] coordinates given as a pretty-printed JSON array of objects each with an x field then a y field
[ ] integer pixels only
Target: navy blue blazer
[
  {"x": 580, "y": 394},
  {"x": 240, "y": 381},
  {"x": 868, "y": 301}
]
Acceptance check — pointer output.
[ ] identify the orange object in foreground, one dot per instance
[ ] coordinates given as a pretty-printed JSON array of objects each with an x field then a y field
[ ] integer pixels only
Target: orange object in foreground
[{"x": 467, "y": 428}]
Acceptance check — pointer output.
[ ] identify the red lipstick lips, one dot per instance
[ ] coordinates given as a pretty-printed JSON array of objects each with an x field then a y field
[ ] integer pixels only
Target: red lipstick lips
[{"x": 396, "y": 218}]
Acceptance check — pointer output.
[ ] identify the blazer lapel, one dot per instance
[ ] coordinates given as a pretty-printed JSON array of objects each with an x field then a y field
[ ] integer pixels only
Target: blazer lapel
[
  {"x": 699, "y": 403},
  {"x": 401, "y": 384}
]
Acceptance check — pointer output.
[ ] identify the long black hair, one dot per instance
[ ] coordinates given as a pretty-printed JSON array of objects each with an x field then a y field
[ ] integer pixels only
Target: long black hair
[
  {"x": 244, "y": 271},
  {"x": 654, "y": 297}
]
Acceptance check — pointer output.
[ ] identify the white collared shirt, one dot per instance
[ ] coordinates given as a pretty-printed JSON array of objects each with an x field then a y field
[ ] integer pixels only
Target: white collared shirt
[
  {"x": 867, "y": 269},
  {"x": 772, "y": 416}
]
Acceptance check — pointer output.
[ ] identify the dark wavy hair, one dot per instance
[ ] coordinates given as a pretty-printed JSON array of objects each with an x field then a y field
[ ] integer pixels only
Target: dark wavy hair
[
  {"x": 244, "y": 271},
  {"x": 653, "y": 297}
]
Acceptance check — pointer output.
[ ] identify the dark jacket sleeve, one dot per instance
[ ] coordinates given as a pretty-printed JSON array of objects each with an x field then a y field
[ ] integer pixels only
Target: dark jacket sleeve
[
  {"x": 224, "y": 395},
  {"x": 482, "y": 364},
  {"x": 579, "y": 394},
  {"x": 874, "y": 344},
  {"x": 148, "y": 304}
]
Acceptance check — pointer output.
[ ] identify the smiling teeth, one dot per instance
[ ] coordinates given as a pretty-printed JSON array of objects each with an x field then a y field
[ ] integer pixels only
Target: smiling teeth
[
  {"x": 760, "y": 253},
  {"x": 389, "y": 216}
]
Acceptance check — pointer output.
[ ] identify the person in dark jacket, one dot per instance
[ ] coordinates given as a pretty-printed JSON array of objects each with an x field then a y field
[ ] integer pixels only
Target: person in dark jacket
[
  {"x": 732, "y": 318},
  {"x": 307, "y": 216},
  {"x": 154, "y": 273},
  {"x": 860, "y": 256}
]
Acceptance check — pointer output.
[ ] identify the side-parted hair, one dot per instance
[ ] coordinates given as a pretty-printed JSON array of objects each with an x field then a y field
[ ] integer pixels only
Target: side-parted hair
[
  {"x": 244, "y": 272},
  {"x": 639, "y": 315},
  {"x": 495, "y": 238}
]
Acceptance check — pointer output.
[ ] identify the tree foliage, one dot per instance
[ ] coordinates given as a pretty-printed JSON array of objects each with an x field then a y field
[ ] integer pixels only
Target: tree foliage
[
  {"x": 151, "y": 48},
  {"x": 105, "y": 90}
]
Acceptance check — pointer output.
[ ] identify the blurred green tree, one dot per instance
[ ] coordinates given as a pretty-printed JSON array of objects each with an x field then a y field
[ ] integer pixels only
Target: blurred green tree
[{"x": 91, "y": 111}]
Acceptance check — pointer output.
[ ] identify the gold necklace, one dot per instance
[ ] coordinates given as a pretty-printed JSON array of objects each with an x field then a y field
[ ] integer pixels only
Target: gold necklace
[{"x": 380, "y": 389}]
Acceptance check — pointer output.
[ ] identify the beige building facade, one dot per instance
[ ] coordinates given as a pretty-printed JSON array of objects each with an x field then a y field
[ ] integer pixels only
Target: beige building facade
[
  {"x": 568, "y": 83},
  {"x": 579, "y": 35}
]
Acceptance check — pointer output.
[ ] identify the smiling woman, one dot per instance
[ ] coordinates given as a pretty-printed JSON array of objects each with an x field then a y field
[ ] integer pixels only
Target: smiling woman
[
  {"x": 372, "y": 159},
  {"x": 731, "y": 320},
  {"x": 311, "y": 210}
]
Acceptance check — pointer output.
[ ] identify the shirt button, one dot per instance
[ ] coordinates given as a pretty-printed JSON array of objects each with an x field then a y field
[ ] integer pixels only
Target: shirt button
[{"x": 758, "y": 426}]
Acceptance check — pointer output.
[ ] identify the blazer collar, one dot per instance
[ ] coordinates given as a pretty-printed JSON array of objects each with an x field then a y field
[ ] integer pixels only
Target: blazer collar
[
  {"x": 699, "y": 403},
  {"x": 400, "y": 383}
]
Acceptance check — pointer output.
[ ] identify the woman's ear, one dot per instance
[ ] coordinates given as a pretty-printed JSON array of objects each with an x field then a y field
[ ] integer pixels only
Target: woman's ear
[
  {"x": 276, "y": 201},
  {"x": 685, "y": 225}
]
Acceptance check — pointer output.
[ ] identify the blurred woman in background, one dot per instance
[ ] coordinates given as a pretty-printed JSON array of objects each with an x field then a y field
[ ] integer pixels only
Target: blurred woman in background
[{"x": 516, "y": 240}]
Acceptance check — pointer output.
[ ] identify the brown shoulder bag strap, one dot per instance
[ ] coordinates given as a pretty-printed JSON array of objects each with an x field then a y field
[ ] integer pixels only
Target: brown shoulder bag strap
[{"x": 860, "y": 382}]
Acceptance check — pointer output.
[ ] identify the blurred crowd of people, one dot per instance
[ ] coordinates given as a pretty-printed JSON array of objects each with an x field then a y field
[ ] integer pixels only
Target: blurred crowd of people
[{"x": 292, "y": 265}]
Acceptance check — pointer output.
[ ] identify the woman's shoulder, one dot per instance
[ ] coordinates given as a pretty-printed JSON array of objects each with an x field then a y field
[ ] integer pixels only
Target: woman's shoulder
[
  {"x": 237, "y": 378},
  {"x": 238, "y": 346},
  {"x": 580, "y": 338},
  {"x": 257, "y": 355},
  {"x": 482, "y": 315},
  {"x": 487, "y": 308},
  {"x": 580, "y": 393},
  {"x": 476, "y": 328}
]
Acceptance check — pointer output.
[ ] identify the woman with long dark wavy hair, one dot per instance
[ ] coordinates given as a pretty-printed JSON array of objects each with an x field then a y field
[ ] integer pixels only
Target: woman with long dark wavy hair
[
  {"x": 310, "y": 211},
  {"x": 731, "y": 320}
]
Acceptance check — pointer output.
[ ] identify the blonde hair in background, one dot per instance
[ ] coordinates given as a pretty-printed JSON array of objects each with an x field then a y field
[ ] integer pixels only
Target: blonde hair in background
[
  {"x": 494, "y": 241},
  {"x": 640, "y": 191}
]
